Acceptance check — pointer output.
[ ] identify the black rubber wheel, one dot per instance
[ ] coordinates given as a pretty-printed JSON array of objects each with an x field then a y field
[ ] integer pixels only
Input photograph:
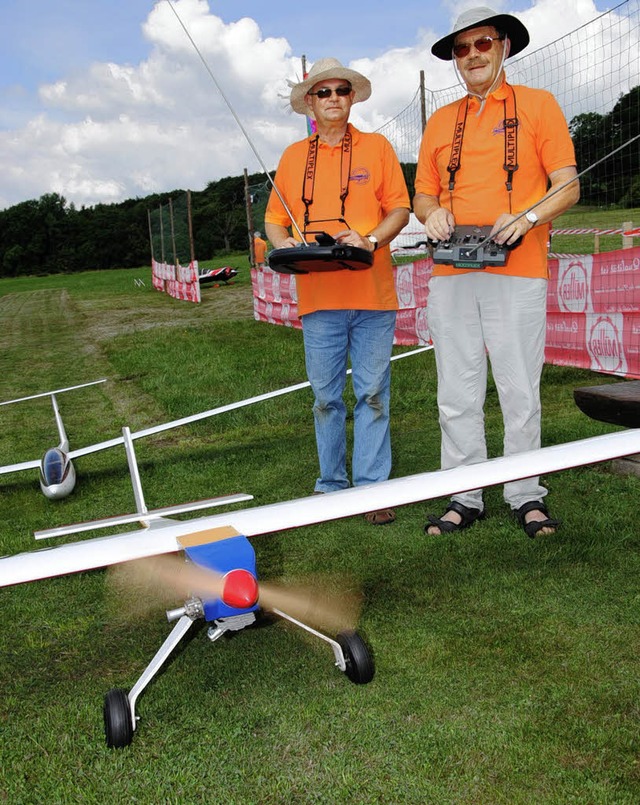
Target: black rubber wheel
[
  {"x": 360, "y": 668},
  {"x": 117, "y": 719}
]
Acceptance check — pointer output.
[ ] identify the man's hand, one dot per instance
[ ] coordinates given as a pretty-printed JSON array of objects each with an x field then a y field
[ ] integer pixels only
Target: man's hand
[
  {"x": 514, "y": 227},
  {"x": 439, "y": 224},
  {"x": 288, "y": 243},
  {"x": 353, "y": 238}
]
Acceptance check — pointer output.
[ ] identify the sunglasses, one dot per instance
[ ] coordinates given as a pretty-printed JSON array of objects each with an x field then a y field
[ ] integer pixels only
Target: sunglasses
[
  {"x": 325, "y": 92},
  {"x": 483, "y": 45}
]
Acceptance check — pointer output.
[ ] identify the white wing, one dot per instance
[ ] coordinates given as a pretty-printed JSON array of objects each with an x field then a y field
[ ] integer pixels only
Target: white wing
[
  {"x": 163, "y": 537},
  {"x": 24, "y": 465},
  {"x": 98, "y": 446}
]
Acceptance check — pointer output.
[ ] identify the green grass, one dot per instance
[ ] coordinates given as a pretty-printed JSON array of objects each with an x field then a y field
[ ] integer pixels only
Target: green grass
[
  {"x": 592, "y": 218},
  {"x": 506, "y": 669}
]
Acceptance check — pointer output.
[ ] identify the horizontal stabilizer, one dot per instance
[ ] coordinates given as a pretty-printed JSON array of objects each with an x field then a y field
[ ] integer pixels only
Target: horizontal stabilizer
[
  {"x": 55, "y": 391},
  {"x": 140, "y": 517}
]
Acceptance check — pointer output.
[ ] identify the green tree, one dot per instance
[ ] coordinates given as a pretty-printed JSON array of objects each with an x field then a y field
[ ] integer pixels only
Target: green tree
[{"x": 595, "y": 137}]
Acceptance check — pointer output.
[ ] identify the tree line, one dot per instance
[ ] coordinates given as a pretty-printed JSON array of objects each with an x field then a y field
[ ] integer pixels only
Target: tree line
[{"x": 48, "y": 235}]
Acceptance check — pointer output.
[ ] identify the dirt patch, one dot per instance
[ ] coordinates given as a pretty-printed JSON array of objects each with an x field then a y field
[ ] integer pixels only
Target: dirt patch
[{"x": 133, "y": 313}]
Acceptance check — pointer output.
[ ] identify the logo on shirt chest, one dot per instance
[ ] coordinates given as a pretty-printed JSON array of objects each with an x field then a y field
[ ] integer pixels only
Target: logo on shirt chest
[
  {"x": 360, "y": 176},
  {"x": 499, "y": 129}
]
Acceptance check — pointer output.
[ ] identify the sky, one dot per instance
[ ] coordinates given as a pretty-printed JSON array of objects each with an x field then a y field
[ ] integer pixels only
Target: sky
[{"x": 107, "y": 100}]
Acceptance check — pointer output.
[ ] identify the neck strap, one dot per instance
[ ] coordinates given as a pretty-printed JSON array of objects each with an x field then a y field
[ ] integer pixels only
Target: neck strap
[
  {"x": 308, "y": 185},
  {"x": 510, "y": 130}
]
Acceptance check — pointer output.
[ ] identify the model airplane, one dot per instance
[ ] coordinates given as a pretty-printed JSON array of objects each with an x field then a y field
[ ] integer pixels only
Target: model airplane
[
  {"x": 220, "y": 583},
  {"x": 57, "y": 473},
  {"x": 216, "y": 275},
  {"x": 220, "y": 544}
]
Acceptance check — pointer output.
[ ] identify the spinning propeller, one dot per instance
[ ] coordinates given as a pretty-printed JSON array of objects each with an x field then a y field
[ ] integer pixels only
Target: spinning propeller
[
  {"x": 144, "y": 584},
  {"x": 227, "y": 599}
]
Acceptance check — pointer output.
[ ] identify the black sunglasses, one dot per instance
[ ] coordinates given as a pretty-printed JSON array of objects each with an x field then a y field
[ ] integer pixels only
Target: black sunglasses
[
  {"x": 325, "y": 92},
  {"x": 483, "y": 45}
]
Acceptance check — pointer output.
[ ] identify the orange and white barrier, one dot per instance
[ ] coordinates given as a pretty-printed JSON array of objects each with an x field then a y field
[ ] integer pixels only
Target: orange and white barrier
[{"x": 593, "y": 306}]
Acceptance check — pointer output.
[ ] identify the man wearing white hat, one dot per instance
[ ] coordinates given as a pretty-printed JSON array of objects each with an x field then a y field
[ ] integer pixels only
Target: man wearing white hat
[
  {"x": 500, "y": 157},
  {"x": 350, "y": 185}
]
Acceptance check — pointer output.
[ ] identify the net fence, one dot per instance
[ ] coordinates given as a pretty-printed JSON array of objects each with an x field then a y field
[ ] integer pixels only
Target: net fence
[
  {"x": 258, "y": 197},
  {"x": 169, "y": 231},
  {"x": 594, "y": 73}
]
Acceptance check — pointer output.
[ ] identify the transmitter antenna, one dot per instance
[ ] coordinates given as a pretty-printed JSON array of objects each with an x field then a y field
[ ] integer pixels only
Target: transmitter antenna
[{"x": 239, "y": 122}]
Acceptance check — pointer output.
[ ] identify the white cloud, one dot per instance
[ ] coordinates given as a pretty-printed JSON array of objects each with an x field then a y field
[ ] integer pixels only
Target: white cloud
[{"x": 117, "y": 131}]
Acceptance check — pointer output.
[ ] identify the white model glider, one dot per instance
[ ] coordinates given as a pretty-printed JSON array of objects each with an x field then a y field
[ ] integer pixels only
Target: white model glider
[{"x": 57, "y": 474}]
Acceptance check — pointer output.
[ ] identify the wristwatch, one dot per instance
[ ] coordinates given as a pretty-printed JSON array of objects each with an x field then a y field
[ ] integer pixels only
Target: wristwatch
[
  {"x": 374, "y": 240},
  {"x": 531, "y": 217}
]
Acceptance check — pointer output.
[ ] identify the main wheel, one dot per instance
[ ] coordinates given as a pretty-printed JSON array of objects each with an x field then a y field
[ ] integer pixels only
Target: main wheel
[
  {"x": 360, "y": 668},
  {"x": 117, "y": 719}
]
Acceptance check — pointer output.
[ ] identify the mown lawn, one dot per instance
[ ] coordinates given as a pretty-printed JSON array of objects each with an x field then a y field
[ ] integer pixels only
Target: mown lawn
[{"x": 506, "y": 669}]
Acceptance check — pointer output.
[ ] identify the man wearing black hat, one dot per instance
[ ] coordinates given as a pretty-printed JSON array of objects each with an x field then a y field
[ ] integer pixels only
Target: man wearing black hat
[
  {"x": 349, "y": 184},
  {"x": 501, "y": 157}
]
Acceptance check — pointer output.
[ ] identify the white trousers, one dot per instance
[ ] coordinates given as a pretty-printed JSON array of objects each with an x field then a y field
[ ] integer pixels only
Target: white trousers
[{"x": 472, "y": 316}]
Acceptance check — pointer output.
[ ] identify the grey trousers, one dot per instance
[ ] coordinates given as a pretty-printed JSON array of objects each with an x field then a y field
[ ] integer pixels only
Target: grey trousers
[{"x": 473, "y": 317}]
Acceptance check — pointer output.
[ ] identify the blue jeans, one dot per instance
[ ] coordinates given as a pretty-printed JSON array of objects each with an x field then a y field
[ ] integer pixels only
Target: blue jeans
[{"x": 330, "y": 338}]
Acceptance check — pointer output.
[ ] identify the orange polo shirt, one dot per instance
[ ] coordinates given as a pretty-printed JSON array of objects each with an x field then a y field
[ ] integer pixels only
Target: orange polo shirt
[
  {"x": 376, "y": 186},
  {"x": 480, "y": 195},
  {"x": 259, "y": 249}
]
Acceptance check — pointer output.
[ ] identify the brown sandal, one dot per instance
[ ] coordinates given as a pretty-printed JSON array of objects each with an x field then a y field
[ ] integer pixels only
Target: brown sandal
[{"x": 380, "y": 517}]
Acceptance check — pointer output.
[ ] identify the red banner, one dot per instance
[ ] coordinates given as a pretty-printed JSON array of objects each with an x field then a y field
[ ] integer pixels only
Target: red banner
[
  {"x": 593, "y": 308},
  {"x": 181, "y": 282}
]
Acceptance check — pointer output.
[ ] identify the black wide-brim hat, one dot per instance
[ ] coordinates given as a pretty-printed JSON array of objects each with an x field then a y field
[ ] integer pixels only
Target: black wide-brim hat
[{"x": 478, "y": 18}]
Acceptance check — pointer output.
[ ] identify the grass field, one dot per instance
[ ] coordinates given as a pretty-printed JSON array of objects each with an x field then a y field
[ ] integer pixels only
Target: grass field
[{"x": 507, "y": 669}]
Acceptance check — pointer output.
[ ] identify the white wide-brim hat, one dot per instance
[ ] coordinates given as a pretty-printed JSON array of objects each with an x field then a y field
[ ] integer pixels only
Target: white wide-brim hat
[
  {"x": 323, "y": 70},
  {"x": 477, "y": 18}
]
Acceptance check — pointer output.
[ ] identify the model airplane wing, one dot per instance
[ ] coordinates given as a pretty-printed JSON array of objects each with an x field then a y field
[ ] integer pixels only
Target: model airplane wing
[
  {"x": 118, "y": 440},
  {"x": 222, "y": 409},
  {"x": 165, "y": 538},
  {"x": 24, "y": 465}
]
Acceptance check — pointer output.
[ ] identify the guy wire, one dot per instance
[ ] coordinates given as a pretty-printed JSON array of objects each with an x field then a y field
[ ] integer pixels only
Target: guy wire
[{"x": 239, "y": 122}]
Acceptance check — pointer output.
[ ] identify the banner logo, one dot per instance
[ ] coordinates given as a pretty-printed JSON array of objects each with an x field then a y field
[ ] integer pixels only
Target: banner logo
[
  {"x": 574, "y": 285},
  {"x": 605, "y": 345}
]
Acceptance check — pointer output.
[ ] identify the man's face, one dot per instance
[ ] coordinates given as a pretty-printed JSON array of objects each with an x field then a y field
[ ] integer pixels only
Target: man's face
[
  {"x": 335, "y": 108},
  {"x": 479, "y": 69}
]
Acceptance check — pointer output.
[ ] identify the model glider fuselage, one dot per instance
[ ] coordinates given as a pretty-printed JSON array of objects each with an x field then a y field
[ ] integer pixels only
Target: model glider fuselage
[{"x": 57, "y": 473}]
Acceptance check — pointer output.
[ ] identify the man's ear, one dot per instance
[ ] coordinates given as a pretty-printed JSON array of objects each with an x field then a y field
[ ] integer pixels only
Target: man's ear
[
  {"x": 309, "y": 101},
  {"x": 507, "y": 46}
]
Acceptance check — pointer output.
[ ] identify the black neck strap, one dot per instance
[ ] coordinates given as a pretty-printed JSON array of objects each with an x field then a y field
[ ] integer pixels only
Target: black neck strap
[
  {"x": 510, "y": 127},
  {"x": 456, "y": 146},
  {"x": 308, "y": 185}
]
